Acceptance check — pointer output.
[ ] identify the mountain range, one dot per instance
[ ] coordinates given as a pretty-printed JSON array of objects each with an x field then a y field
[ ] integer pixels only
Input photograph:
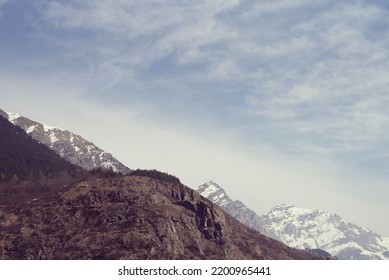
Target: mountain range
[
  {"x": 52, "y": 209},
  {"x": 44, "y": 169},
  {"x": 304, "y": 228}
]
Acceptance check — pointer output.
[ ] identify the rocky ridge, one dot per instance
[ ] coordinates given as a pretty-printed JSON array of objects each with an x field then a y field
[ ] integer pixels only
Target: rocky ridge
[{"x": 68, "y": 145}]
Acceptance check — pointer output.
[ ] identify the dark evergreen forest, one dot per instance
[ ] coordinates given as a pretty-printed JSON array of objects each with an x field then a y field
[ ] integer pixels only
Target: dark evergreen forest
[{"x": 155, "y": 174}]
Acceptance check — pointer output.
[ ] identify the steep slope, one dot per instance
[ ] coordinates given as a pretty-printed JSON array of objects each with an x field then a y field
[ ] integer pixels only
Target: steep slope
[
  {"x": 133, "y": 217},
  {"x": 303, "y": 228},
  {"x": 68, "y": 145},
  {"x": 21, "y": 157}
]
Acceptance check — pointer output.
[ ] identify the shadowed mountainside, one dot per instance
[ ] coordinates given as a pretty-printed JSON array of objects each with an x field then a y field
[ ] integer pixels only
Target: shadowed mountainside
[{"x": 22, "y": 157}]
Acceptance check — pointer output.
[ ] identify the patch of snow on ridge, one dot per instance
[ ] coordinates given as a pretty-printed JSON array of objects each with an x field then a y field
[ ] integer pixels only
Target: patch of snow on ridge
[
  {"x": 53, "y": 137},
  {"x": 219, "y": 196},
  {"x": 31, "y": 128},
  {"x": 211, "y": 188},
  {"x": 48, "y": 128},
  {"x": 12, "y": 117}
]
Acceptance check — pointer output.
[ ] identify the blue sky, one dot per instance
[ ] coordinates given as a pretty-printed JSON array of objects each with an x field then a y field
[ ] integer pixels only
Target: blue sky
[{"x": 282, "y": 99}]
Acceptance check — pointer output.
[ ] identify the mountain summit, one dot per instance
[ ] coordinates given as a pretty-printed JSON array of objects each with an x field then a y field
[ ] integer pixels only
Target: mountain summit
[
  {"x": 304, "y": 228},
  {"x": 68, "y": 145}
]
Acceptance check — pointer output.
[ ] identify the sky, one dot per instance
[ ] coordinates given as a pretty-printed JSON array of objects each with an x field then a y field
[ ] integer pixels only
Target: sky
[{"x": 276, "y": 101}]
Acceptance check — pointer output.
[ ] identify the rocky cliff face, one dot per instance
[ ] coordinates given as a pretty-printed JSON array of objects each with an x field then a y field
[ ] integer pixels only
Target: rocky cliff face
[
  {"x": 68, "y": 145},
  {"x": 130, "y": 217}
]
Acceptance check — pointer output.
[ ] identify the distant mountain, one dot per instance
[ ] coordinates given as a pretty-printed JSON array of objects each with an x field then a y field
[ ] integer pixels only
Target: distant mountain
[
  {"x": 132, "y": 217},
  {"x": 311, "y": 228},
  {"x": 23, "y": 158},
  {"x": 68, "y": 145},
  {"x": 305, "y": 228}
]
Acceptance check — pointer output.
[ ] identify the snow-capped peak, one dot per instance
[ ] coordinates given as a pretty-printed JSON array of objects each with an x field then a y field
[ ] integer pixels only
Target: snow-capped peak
[
  {"x": 209, "y": 188},
  {"x": 214, "y": 192},
  {"x": 311, "y": 228}
]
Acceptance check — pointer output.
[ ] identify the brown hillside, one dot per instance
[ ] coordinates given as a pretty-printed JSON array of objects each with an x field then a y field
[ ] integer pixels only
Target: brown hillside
[{"x": 131, "y": 217}]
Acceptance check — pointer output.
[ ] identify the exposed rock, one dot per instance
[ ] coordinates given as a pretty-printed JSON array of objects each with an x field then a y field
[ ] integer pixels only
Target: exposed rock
[{"x": 130, "y": 218}]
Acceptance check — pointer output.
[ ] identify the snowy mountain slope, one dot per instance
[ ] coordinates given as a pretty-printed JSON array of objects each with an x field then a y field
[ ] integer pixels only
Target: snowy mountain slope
[
  {"x": 68, "y": 145},
  {"x": 311, "y": 228},
  {"x": 305, "y": 228}
]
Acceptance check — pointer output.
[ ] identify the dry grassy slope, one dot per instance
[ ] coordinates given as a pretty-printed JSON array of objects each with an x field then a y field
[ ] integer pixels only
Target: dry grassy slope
[{"x": 130, "y": 218}]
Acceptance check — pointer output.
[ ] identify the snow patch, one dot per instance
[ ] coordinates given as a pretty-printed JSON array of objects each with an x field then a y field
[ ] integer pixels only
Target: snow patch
[
  {"x": 53, "y": 137},
  {"x": 219, "y": 196},
  {"x": 211, "y": 188},
  {"x": 48, "y": 128},
  {"x": 90, "y": 148},
  {"x": 224, "y": 202},
  {"x": 31, "y": 128},
  {"x": 12, "y": 117}
]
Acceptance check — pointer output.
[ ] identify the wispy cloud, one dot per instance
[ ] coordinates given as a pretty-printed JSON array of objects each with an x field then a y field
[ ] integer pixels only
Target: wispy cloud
[
  {"x": 314, "y": 69},
  {"x": 160, "y": 28},
  {"x": 333, "y": 88}
]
